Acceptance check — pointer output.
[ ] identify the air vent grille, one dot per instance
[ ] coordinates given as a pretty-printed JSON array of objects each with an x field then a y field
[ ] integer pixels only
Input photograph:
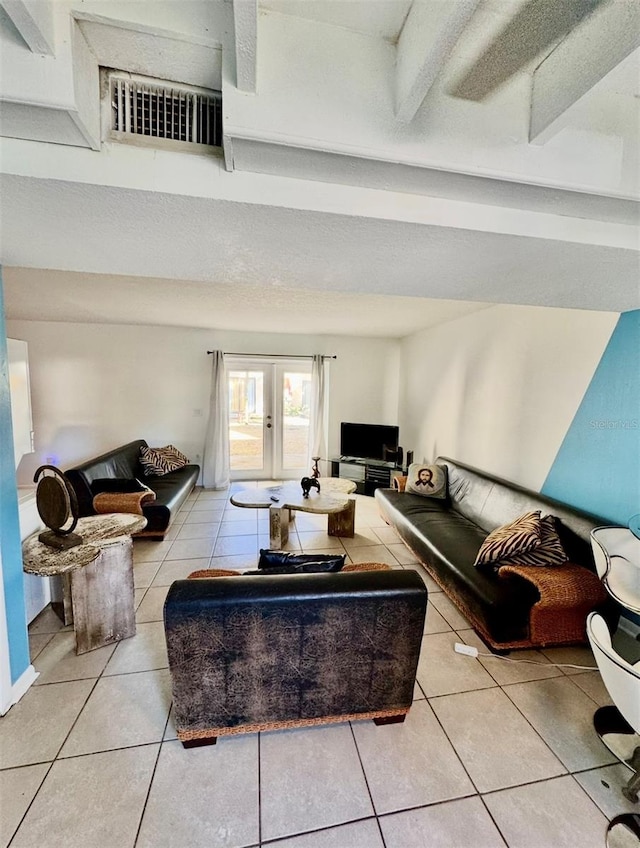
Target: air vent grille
[{"x": 166, "y": 111}]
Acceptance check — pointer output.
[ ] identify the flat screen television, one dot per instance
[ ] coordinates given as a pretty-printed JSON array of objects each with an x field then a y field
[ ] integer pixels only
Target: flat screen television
[{"x": 369, "y": 441}]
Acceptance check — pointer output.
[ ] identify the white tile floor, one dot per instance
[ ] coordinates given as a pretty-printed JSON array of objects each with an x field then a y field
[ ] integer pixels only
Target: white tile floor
[{"x": 491, "y": 754}]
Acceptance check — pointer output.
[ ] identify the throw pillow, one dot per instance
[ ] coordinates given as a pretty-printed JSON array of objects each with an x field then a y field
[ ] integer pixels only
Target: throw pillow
[
  {"x": 159, "y": 461},
  {"x": 548, "y": 552},
  {"x": 511, "y": 540},
  {"x": 170, "y": 450},
  {"x": 285, "y": 562},
  {"x": 430, "y": 481}
]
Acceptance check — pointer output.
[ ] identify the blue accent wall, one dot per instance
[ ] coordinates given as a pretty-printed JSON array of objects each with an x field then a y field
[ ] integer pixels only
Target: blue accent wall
[
  {"x": 9, "y": 523},
  {"x": 597, "y": 468}
]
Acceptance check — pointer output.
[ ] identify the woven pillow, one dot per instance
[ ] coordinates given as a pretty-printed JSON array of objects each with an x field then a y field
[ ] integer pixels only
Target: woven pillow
[
  {"x": 159, "y": 461},
  {"x": 548, "y": 552},
  {"x": 511, "y": 540},
  {"x": 430, "y": 481}
]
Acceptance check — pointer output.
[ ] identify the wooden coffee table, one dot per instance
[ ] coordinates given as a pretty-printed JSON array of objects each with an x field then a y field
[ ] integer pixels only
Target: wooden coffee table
[{"x": 282, "y": 500}]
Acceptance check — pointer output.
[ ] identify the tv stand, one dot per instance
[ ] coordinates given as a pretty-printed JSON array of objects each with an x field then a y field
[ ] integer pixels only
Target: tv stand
[{"x": 367, "y": 474}]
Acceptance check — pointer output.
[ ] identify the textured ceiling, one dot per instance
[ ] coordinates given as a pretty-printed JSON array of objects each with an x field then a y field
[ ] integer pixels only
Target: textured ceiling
[
  {"x": 383, "y": 18},
  {"x": 148, "y": 234},
  {"x": 34, "y": 295},
  {"x": 123, "y": 254}
]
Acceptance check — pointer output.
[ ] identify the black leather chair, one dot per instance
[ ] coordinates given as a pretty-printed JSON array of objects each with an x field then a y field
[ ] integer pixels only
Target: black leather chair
[{"x": 261, "y": 652}]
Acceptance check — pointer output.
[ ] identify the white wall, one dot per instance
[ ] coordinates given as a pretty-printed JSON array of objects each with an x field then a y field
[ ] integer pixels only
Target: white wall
[
  {"x": 498, "y": 389},
  {"x": 96, "y": 386}
]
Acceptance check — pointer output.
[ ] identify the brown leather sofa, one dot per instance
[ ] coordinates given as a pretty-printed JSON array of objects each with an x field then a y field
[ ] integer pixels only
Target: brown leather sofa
[
  {"x": 263, "y": 652},
  {"x": 121, "y": 468},
  {"x": 519, "y": 606}
]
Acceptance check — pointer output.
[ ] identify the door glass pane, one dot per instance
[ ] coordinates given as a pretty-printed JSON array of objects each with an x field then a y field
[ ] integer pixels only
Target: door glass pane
[
  {"x": 246, "y": 417},
  {"x": 296, "y": 403}
]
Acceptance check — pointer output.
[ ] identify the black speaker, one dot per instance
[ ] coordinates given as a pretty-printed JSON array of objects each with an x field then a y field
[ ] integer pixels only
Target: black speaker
[
  {"x": 399, "y": 455},
  {"x": 409, "y": 458}
]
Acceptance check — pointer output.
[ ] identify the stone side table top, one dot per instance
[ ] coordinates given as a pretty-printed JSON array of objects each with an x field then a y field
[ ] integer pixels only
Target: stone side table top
[{"x": 94, "y": 529}]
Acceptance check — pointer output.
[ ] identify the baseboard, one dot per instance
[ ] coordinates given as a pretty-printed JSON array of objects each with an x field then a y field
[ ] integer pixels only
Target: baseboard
[{"x": 18, "y": 689}]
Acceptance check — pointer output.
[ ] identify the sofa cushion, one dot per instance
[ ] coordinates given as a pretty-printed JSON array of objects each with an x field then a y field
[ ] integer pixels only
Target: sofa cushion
[
  {"x": 160, "y": 461},
  {"x": 512, "y": 539},
  {"x": 111, "y": 485},
  {"x": 430, "y": 481}
]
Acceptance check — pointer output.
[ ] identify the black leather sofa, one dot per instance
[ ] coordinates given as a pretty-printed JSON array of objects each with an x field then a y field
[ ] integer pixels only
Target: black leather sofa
[
  {"x": 519, "y": 606},
  {"x": 263, "y": 652},
  {"x": 123, "y": 463}
]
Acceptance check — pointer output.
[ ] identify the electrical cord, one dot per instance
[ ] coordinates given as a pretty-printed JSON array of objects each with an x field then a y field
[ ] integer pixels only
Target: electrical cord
[{"x": 470, "y": 651}]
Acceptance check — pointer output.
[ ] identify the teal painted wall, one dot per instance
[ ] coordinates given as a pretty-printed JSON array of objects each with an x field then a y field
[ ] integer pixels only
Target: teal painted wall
[
  {"x": 9, "y": 523},
  {"x": 597, "y": 468}
]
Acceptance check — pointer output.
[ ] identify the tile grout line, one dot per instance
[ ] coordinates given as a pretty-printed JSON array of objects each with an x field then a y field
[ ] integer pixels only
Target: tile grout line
[
  {"x": 557, "y": 756},
  {"x": 153, "y": 774},
  {"x": 55, "y": 758},
  {"x": 31, "y": 803},
  {"x": 366, "y": 780}
]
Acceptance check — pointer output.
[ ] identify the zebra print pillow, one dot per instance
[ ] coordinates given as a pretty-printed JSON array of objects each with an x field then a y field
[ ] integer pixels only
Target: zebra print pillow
[
  {"x": 549, "y": 552},
  {"x": 174, "y": 452},
  {"x": 511, "y": 540},
  {"x": 159, "y": 461}
]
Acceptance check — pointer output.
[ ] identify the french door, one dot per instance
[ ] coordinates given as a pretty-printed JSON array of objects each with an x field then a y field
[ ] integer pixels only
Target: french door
[{"x": 269, "y": 408}]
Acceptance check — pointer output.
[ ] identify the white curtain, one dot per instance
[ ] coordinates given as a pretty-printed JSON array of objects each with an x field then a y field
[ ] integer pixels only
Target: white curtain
[
  {"x": 317, "y": 434},
  {"x": 215, "y": 459}
]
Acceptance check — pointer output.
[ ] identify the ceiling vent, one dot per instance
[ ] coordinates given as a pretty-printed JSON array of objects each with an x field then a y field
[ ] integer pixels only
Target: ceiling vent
[{"x": 141, "y": 108}]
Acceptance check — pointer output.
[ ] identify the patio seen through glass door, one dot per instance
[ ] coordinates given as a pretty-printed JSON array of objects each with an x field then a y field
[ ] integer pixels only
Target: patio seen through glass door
[{"x": 269, "y": 409}]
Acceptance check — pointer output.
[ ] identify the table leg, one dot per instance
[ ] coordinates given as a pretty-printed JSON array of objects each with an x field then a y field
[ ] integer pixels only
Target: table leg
[
  {"x": 102, "y": 596},
  {"x": 278, "y": 527},
  {"x": 67, "y": 602},
  {"x": 343, "y": 523}
]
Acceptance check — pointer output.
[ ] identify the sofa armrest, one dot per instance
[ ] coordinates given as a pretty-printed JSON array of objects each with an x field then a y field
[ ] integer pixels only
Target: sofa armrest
[
  {"x": 567, "y": 594},
  {"x": 399, "y": 483},
  {"x": 107, "y": 502}
]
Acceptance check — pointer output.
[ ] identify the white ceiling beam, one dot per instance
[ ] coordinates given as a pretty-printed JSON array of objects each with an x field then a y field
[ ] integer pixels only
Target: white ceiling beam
[
  {"x": 585, "y": 56},
  {"x": 430, "y": 32},
  {"x": 245, "y": 23},
  {"x": 34, "y": 21}
]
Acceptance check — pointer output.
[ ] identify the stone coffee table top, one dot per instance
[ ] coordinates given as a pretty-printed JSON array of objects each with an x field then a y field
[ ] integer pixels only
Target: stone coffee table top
[{"x": 331, "y": 498}]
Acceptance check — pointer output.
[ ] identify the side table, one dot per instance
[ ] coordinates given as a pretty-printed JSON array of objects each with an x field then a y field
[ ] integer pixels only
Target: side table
[{"x": 97, "y": 578}]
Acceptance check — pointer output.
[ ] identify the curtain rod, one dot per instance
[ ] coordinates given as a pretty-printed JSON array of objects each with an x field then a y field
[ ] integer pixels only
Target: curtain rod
[{"x": 272, "y": 355}]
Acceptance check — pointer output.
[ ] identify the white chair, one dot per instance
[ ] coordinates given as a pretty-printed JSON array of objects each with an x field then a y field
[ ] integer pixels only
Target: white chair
[
  {"x": 619, "y": 724},
  {"x": 616, "y": 551}
]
